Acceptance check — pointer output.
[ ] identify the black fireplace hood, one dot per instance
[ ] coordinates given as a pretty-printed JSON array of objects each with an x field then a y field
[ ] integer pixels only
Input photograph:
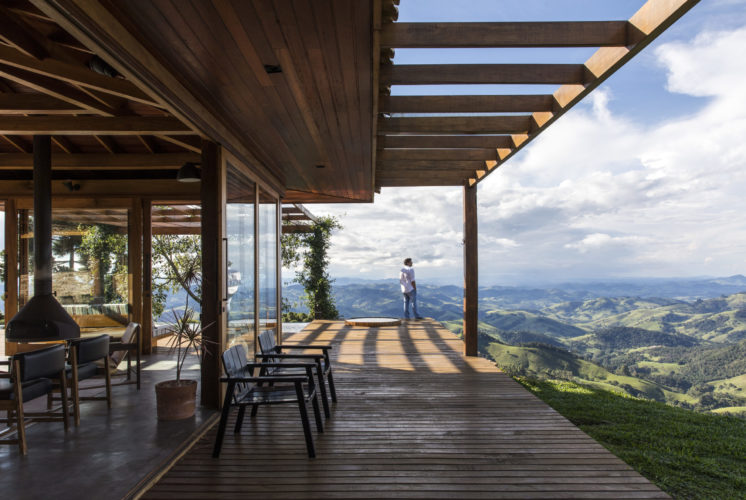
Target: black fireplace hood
[{"x": 42, "y": 318}]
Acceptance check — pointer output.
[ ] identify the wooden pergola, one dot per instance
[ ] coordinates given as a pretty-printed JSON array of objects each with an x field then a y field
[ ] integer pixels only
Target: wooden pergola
[{"x": 292, "y": 96}]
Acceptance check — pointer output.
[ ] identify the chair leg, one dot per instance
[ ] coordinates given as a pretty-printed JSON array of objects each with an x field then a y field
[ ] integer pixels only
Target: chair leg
[
  {"x": 74, "y": 390},
  {"x": 63, "y": 390},
  {"x": 223, "y": 420},
  {"x": 317, "y": 414},
  {"x": 304, "y": 419},
  {"x": 107, "y": 375},
  {"x": 330, "y": 378},
  {"x": 322, "y": 387},
  {"x": 239, "y": 419},
  {"x": 20, "y": 428}
]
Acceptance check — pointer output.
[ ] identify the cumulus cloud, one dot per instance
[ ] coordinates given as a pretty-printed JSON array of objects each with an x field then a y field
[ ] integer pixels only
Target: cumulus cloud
[{"x": 596, "y": 195}]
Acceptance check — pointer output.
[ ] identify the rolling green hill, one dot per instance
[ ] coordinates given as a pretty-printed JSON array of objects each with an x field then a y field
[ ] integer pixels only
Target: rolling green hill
[{"x": 530, "y": 322}]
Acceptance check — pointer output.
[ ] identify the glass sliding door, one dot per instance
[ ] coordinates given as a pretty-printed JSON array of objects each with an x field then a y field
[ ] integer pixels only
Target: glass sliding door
[
  {"x": 268, "y": 307},
  {"x": 241, "y": 237}
]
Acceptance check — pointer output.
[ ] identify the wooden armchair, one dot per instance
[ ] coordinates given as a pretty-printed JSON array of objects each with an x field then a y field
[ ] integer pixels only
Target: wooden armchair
[
  {"x": 276, "y": 353},
  {"x": 129, "y": 346},
  {"x": 84, "y": 355},
  {"x": 32, "y": 375},
  {"x": 244, "y": 389}
]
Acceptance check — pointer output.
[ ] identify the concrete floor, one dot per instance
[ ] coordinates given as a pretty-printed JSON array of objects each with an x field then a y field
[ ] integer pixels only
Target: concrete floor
[{"x": 110, "y": 453}]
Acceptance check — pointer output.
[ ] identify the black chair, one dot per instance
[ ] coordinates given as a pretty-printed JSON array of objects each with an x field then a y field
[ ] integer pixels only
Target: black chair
[
  {"x": 32, "y": 375},
  {"x": 277, "y": 353},
  {"x": 244, "y": 389},
  {"x": 85, "y": 354}
]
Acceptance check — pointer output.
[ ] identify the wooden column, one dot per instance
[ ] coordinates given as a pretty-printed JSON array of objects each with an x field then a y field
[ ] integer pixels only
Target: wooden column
[
  {"x": 471, "y": 271},
  {"x": 11, "y": 265},
  {"x": 147, "y": 276},
  {"x": 134, "y": 258},
  {"x": 214, "y": 296}
]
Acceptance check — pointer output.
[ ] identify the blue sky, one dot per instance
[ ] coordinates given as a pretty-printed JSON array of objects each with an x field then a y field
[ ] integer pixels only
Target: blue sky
[{"x": 644, "y": 178}]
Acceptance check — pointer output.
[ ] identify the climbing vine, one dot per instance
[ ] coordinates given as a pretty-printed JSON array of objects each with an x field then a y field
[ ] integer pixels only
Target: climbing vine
[{"x": 314, "y": 276}]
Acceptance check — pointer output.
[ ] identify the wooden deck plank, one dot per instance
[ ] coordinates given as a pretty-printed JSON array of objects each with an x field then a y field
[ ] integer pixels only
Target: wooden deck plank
[{"x": 415, "y": 419}]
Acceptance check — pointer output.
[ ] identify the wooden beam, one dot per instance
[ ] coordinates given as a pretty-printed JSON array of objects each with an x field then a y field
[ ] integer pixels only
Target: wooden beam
[
  {"x": 445, "y": 141},
  {"x": 147, "y": 277},
  {"x": 471, "y": 272},
  {"x": 466, "y": 103},
  {"x": 103, "y": 190},
  {"x": 505, "y": 34},
  {"x": 652, "y": 19},
  {"x": 437, "y": 154},
  {"x": 16, "y": 33},
  {"x": 35, "y": 104},
  {"x": 56, "y": 88},
  {"x": 447, "y": 74},
  {"x": 135, "y": 265},
  {"x": 73, "y": 74},
  {"x": 214, "y": 270},
  {"x": 447, "y": 165},
  {"x": 453, "y": 125},
  {"x": 93, "y": 125},
  {"x": 20, "y": 161},
  {"x": 425, "y": 180}
]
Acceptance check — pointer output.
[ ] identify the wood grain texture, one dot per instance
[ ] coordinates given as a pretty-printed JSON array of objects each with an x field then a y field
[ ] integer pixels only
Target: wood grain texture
[{"x": 415, "y": 419}]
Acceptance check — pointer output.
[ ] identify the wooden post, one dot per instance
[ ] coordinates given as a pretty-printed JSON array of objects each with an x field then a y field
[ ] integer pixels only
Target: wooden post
[
  {"x": 214, "y": 296},
  {"x": 278, "y": 261},
  {"x": 147, "y": 277},
  {"x": 134, "y": 258},
  {"x": 257, "y": 235},
  {"x": 11, "y": 266},
  {"x": 471, "y": 271}
]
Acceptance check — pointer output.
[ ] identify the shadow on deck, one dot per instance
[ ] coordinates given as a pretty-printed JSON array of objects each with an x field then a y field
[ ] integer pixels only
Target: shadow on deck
[{"x": 415, "y": 419}]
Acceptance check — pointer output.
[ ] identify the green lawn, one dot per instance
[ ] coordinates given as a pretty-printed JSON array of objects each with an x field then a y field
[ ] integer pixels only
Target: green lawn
[{"x": 687, "y": 454}]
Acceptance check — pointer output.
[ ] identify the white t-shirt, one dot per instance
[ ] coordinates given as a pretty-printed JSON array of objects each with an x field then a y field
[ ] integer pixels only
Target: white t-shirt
[{"x": 406, "y": 277}]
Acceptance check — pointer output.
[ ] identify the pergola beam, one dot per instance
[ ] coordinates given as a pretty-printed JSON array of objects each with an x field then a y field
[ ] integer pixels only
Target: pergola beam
[
  {"x": 93, "y": 125},
  {"x": 456, "y": 125},
  {"x": 446, "y": 141},
  {"x": 454, "y": 74},
  {"x": 466, "y": 103},
  {"x": 505, "y": 34},
  {"x": 437, "y": 154}
]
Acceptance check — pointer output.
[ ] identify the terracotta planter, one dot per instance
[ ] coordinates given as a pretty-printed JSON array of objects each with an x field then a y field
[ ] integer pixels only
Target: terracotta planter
[{"x": 176, "y": 400}]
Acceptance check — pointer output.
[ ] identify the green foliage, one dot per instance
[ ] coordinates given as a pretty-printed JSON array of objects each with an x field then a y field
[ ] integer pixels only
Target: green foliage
[
  {"x": 314, "y": 276},
  {"x": 104, "y": 253},
  {"x": 687, "y": 454},
  {"x": 177, "y": 264}
]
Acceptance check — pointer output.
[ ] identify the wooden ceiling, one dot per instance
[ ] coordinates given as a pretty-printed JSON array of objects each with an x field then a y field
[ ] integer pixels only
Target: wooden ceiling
[
  {"x": 300, "y": 91},
  {"x": 444, "y": 140}
]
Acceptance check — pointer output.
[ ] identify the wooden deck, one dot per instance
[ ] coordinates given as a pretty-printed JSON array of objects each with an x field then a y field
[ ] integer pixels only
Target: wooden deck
[{"x": 415, "y": 419}]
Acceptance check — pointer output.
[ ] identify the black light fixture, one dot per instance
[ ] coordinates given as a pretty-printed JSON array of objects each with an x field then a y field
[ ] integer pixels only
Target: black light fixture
[
  {"x": 189, "y": 172},
  {"x": 71, "y": 186},
  {"x": 272, "y": 68}
]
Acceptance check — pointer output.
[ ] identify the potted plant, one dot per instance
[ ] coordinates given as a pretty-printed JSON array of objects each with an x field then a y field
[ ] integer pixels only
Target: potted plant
[{"x": 176, "y": 399}]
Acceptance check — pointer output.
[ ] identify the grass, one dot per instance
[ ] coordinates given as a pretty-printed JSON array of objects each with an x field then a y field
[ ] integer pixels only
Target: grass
[{"x": 686, "y": 454}]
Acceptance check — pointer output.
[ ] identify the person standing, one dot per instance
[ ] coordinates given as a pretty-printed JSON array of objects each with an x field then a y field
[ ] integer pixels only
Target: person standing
[{"x": 409, "y": 288}]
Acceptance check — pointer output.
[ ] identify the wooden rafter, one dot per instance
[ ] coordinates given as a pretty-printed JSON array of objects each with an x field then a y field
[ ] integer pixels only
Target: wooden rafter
[
  {"x": 454, "y": 74},
  {"x": 14, "y": 32},
  {"x": 506, "y": 34},
  {"x": 466, "y": 103},
  {"x": 130, "y": 161},
  {"x": 416, "y": 150},
  {"x": 73, "y": 74},
  {"x": 93, "y": 125},
  {"x": 35, "y": 104}
]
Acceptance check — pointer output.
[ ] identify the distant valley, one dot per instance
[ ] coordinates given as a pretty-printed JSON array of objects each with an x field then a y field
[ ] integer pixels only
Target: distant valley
[{"x": 678, "y": 341}]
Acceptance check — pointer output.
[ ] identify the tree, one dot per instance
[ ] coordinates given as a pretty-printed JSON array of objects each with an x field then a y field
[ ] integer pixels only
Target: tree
[
  {"x": 104, "y": 251},
  {"x": 177, "y": 264},
  {"x": 314, "y": 276}
]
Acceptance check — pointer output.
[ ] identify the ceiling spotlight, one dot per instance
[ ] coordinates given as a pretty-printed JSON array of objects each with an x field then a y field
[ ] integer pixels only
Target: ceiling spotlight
[
  {"x": 71, "y": 186},
  {"x": 320, "y": 166},
  {"x": 189, "y": 172},
  {"x": 272, "y": 68}
]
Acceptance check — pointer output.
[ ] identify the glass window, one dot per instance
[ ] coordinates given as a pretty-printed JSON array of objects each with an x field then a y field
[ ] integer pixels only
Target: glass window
[
  {"x": 240, "y": 260},
  {"x": 268, "y": 207}
]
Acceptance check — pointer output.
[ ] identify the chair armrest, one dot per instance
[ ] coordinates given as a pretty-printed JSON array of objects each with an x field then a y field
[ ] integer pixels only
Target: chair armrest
[
  {"x": 118, "y": 346},
  {"x": 5, "y": 362},
  {"x": 4, "y": 375},
  {"x": 278, "y": 365},
  {"x": 305, "y": 346},
  {"x": 290, "y": 356},
  {"x": 256, "y": 380}
]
